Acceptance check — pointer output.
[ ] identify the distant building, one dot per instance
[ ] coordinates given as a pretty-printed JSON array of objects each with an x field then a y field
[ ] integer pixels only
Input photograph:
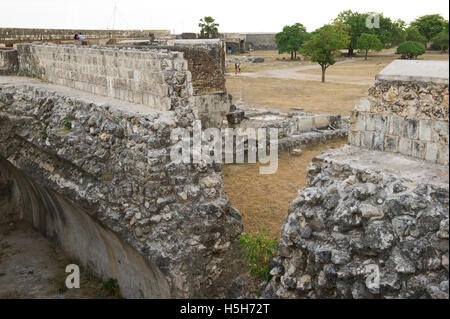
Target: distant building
[{"x": 241, "y": 42}]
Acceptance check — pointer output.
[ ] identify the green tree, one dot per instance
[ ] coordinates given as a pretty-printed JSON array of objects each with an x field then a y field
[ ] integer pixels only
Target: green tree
[
  {"x": 208, "y": 28},
  {"x": 355, "y": 23},
  {"x": 398, "y": 32},
  {"x": 389, "y": 32},
  {"x": 367, "y": 42},
  {"x": 430, "y": 25},
  {"x": 291, "y": 39},
  {"x": 442, "y": 41},
  {"x": 325, "y": 45},
  {"x": 413, "y": 34},
  {"x": 411, "y": 49}
]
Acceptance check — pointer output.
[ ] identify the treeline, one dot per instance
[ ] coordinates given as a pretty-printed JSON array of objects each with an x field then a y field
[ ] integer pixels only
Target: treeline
[{"x": 363, "y": 32}]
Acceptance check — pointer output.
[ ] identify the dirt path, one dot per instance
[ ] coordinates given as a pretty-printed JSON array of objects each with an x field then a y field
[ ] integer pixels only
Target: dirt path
[{"x": 297, "y": 73}]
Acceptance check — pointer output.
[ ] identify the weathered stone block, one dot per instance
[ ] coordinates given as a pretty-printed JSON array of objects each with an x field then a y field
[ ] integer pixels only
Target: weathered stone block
[
  {"x": 321, "y": 121},
  {"x": 432, "y": 150},
  {"x": 443, "y": 154},
  {"x": 370, "y": 122},
  {"x": 367, "y": 140},
  {"x": 440, "y": 132},
  {"x": 391, "y": 144},
  {"x": 425, "y": 130},
  {"x": 405, "y": 146},
  {"x": 418, "y": 149},
  {"x": 398, "y": 125},
  {"x": 378, "y": 142},
  {"x": 360, "y": 122},
  {"x": 304, "y": 124},
  {"x": 354, "y": 138},
  {"x": 381, "y": 123},
  {"x": 412, "y": 129}
]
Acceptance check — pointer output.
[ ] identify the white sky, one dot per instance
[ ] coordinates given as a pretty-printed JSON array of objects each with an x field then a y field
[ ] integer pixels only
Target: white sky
[{"x": 183, "y": 15}]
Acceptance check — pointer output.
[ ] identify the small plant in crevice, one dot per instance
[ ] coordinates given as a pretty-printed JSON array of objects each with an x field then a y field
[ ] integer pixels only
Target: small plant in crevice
[
  {"x": 43, "y": 135},
  {"x": 112, "y": 287},
  {"x": 68, "y": 121},
  {"x": 258, "y": 250}
]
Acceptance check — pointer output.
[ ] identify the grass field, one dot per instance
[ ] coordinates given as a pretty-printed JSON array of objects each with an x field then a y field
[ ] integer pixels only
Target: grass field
[
  {"x": 283, "y": 94},
  {"x": 263, "y": 200},
  {"x": 270, "y": 85}
]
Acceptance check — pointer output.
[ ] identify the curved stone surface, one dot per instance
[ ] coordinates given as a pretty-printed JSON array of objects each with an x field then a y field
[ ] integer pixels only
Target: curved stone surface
[{"x": 94, "y": 246}]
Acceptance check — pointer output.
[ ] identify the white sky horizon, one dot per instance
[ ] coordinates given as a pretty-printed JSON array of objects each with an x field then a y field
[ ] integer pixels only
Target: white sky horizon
[{"x": 183, "y": 16}]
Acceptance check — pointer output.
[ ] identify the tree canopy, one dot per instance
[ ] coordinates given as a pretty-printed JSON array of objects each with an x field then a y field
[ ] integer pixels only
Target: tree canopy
[
  {"x": 324, "y": 46},
  {"x": 430, "y": 25},
  {"x": 291, "y": 39},
  {"x": 389, "y": 32},
  {"x": 355, "y": 25},
  {"x": 413, "y": 34},
  {"x": 367, "y": 42},
  {"x": 442, "y": 40},
  {"x": 208, "y": 28},
  {"x": 411, "y": 49}
]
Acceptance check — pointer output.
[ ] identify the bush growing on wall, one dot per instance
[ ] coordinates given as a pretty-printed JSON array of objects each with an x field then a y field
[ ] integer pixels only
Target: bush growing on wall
[{"x": 258, "y": 250}]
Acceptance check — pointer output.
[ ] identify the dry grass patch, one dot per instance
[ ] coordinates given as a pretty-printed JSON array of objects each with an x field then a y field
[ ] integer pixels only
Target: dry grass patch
[
  {"x": 263, "y": 200},
  {"x": 272, "y": 60},
  {"x": 284, "y": 94},
  {"x": 362, "y": 68}
]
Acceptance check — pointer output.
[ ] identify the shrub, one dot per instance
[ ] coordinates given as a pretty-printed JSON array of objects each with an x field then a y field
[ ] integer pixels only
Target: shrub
[
  {"x": 112, "y": 287},
  {"x": 411, "y": 49},
  {"x": 258, "y": 250},
  {"x": 43, "y": 135},
  {"x": 68, "y": 121}
]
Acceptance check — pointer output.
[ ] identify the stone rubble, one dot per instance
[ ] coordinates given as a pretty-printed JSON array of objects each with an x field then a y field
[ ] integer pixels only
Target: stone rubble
[
  {"x": 115, "y": 164},
  {"x": 349, "y": 218}
]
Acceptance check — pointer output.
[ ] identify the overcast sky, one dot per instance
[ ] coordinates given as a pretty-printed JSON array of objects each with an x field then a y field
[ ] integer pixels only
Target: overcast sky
[{"x": 183, "y": 15}]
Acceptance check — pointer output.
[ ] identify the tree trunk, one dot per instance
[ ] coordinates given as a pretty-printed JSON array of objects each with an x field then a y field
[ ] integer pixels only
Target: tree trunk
[
  {"x": 366, "y": 54},
  {"x": 323, "y": 73},
  {"x": 295, "y": 56},
  {"x": 350, "y": 51},
  {"x": 292, "y": 55}
]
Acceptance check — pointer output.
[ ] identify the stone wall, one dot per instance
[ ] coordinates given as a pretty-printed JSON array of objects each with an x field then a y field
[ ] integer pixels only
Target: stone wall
[
  {"x": 111, "y": 160},
  {"x": 157, "y": 79},
  {"x": 260, "y": 41},
  {"x": 406, "y": 114},
  {"x": 355, "y": 216},
  {"x": 215, "y": 48},
  {"x": 251, "y": 41},
  {"x": 205, "y": 66},
  {"x": 8, "y": 62},
  {"x": 16, "y": 35},
  {"x": 373, "y": 223}
]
